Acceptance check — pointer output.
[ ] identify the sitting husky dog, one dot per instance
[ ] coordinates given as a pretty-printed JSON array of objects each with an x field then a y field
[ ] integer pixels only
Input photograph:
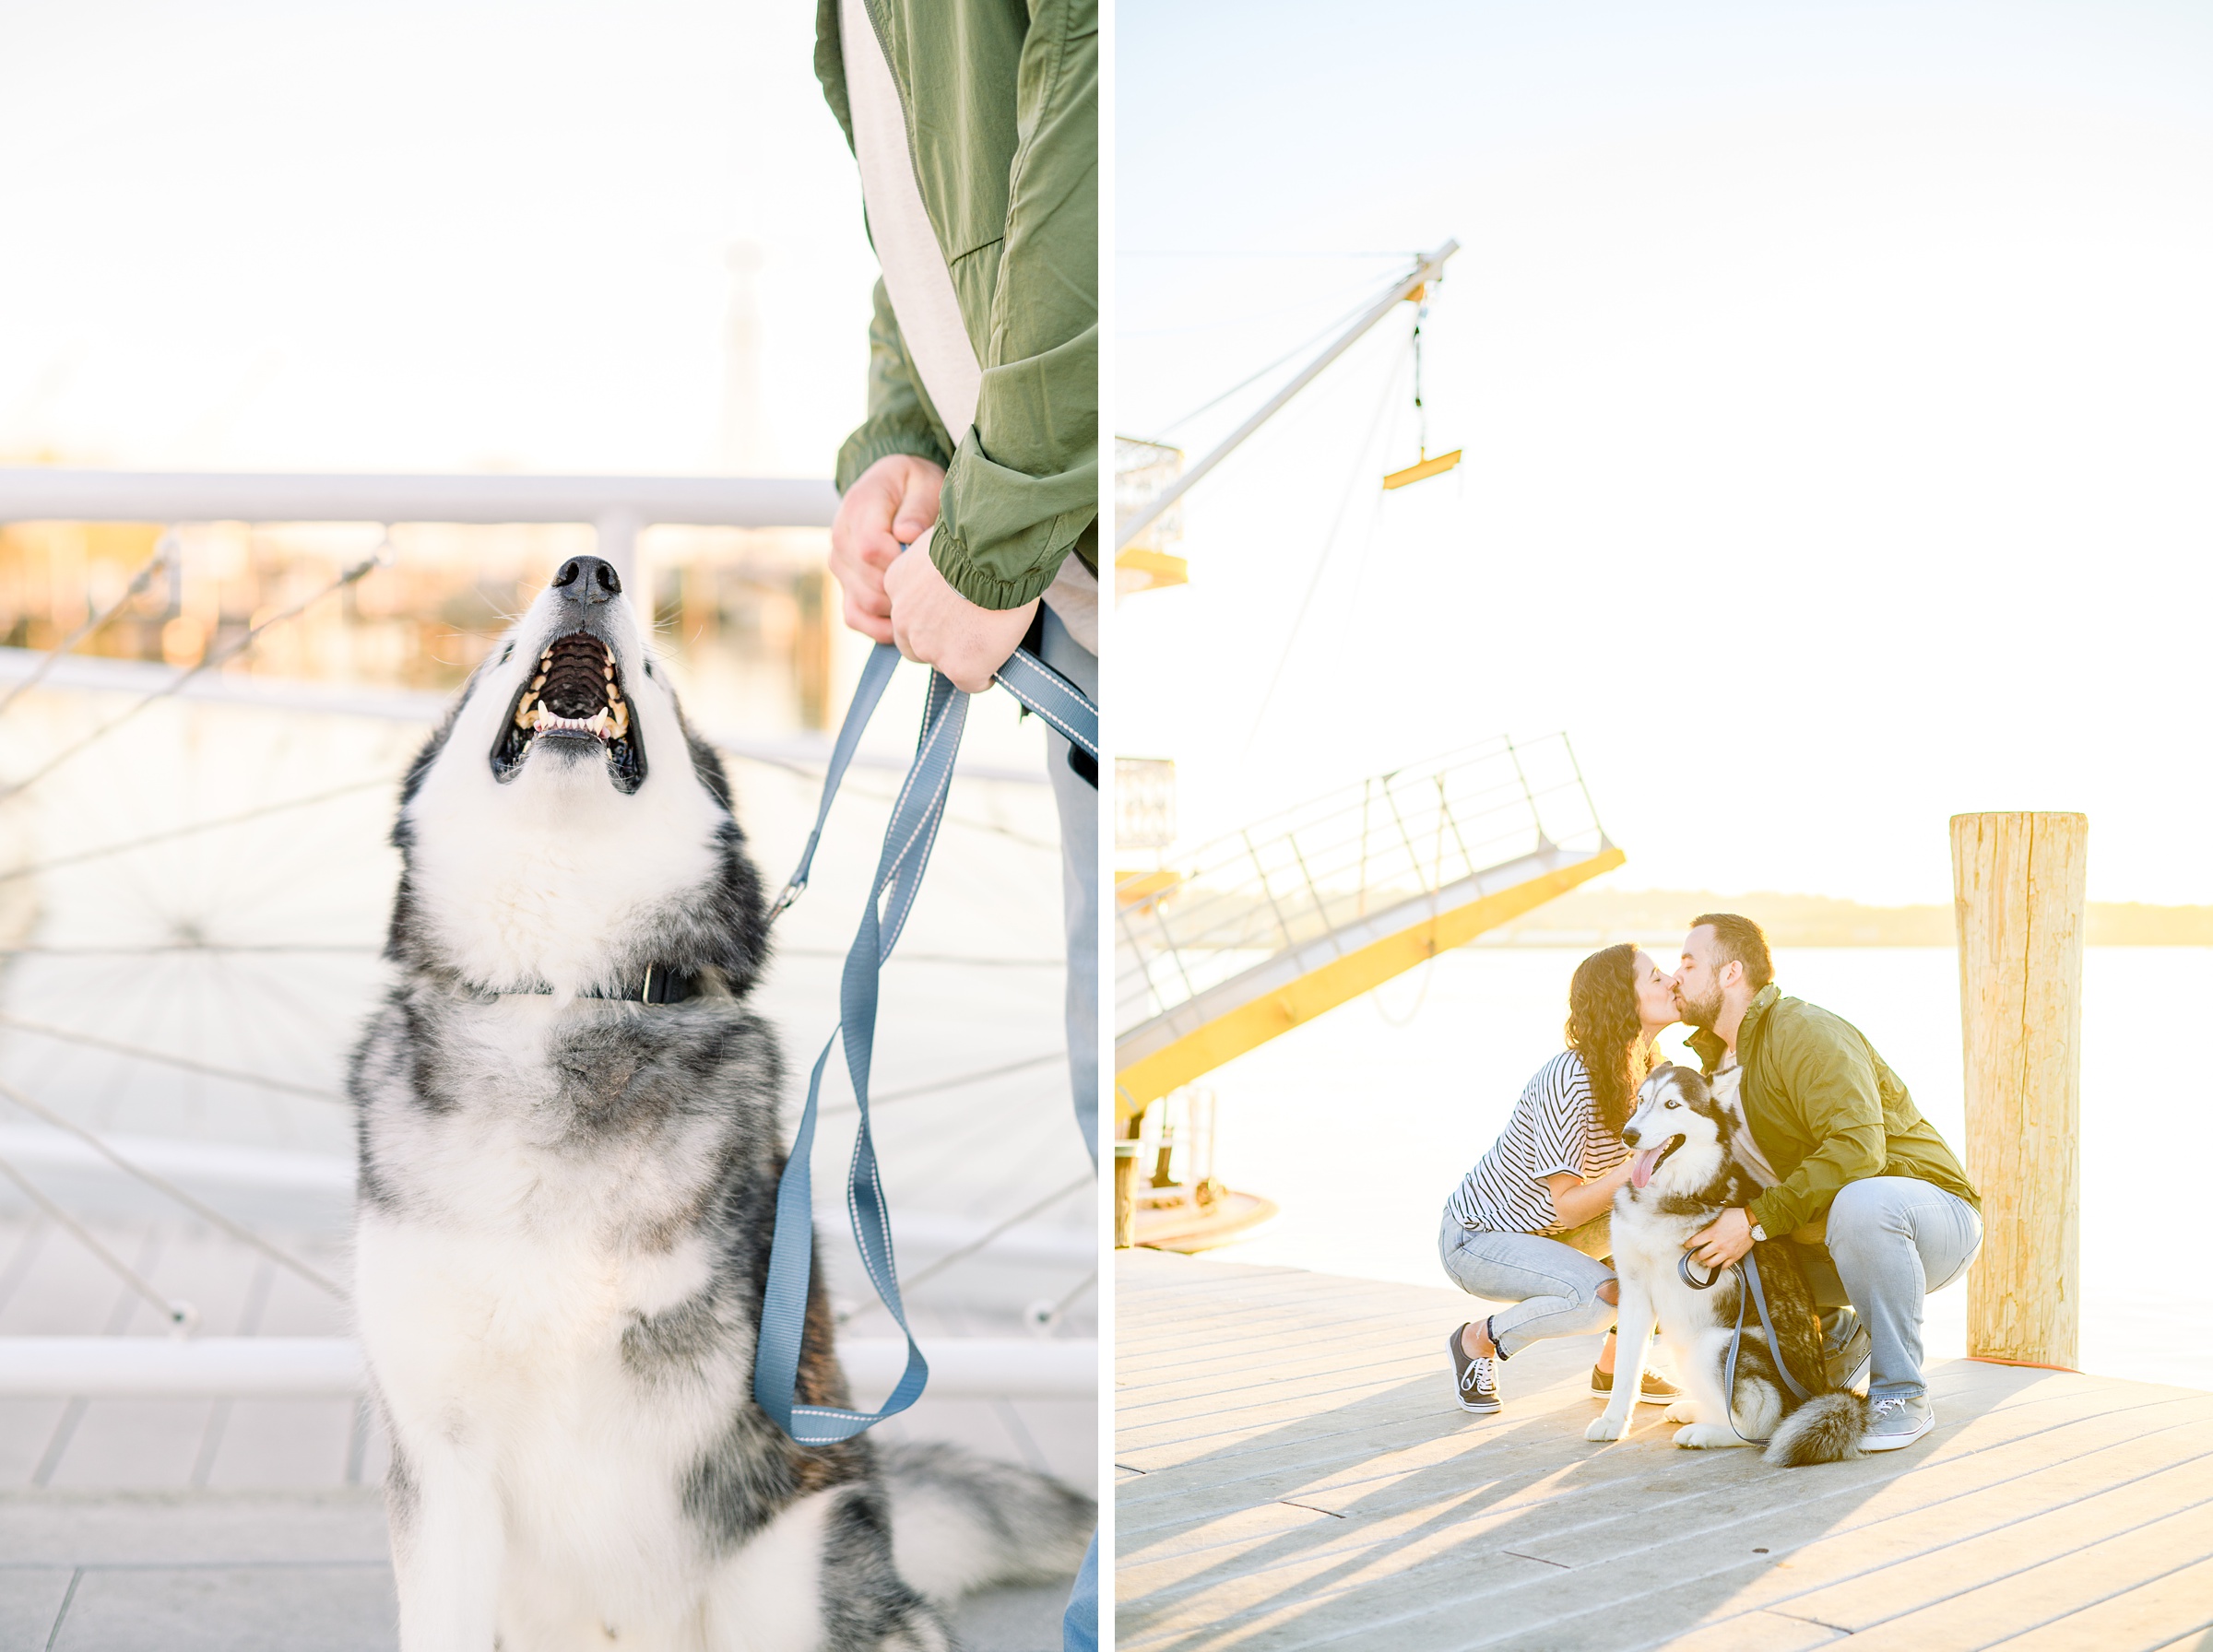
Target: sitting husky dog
[
  {"x": 569, "y": 1158},
  {"x": 1684, "y": 1177}
]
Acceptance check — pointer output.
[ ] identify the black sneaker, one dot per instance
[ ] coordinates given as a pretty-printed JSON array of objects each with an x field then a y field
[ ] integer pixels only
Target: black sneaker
[
  {"x": 1654, "y": 1389},
  {"x": 1475, "y": 1380}
]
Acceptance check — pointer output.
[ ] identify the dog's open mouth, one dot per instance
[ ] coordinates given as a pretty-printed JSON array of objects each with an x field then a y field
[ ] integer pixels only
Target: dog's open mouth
[
  {"x": 1646, "y": 1165},
  {"x": 573, "y": 697}
]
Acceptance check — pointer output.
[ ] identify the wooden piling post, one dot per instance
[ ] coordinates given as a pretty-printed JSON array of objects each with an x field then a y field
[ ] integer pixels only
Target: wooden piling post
[
  {"x": 1125, "y": 1193},
  {"x": 2018, "y": 884}
]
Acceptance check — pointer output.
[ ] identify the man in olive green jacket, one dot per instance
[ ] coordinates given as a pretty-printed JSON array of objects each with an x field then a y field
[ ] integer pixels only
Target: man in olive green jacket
[
  {"x": 974, "y": 124},
  {"x": 1881, "y": 1207},
  {"x": 1001, "y": 109}
]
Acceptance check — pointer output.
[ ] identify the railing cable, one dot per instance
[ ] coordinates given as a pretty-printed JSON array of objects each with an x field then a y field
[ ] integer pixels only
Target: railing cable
[
  {"x": 909, "y": 1285},
  {"x": 164, "y": 550},
  {"x": 182, "y": 1315},
  {"x": 205, "y": 1212},
  {"x": 207, "y": 663},
  {"x": 140, "y": 1053},
  {"x": 174, "y": 832}
]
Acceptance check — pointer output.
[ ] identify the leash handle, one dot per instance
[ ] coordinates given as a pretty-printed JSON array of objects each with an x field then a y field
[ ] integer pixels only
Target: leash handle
[{"x": 1062, "y": 706}]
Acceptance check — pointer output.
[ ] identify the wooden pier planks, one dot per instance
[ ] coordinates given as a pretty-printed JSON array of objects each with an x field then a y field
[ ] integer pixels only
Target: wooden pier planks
[{"x": 1292, "y": 1472}]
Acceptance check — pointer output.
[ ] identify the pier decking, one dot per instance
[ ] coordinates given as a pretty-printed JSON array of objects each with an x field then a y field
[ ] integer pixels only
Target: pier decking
[{"x": 1292, "y": 1472}]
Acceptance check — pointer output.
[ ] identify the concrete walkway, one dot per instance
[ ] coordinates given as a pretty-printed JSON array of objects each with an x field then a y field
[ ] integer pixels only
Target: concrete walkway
[
  {"x": 305, "y": 1572},
  {"x": 1292, "y": 1471}
]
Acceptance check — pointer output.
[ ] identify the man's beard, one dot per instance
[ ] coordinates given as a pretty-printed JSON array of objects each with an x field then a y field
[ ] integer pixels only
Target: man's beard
[{"x": 1701, "y": 1014}]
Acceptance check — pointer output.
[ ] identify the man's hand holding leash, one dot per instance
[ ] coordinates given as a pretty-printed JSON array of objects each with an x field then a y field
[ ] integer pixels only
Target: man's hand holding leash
[
  {"x": 1728, "y": 1238},
  {"x": 904, "y": 599}
]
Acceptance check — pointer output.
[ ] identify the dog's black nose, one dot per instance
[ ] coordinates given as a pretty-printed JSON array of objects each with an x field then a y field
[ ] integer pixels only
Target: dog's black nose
[
  {"x": 1629, "y": 1135},
  {"x": 588, "y": 579}
]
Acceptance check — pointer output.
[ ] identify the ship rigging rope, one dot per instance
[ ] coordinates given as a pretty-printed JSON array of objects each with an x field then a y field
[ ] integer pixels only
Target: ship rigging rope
[
  {"x": 205, "y": 1212},
  {"x": 165, "y": 548},
  {"x": 1321, "y": 563},
  {"x": 207, "y": 663},
  {"x": 1304, "y": 344},
  {"x": 969, "y": 1249},
  {"x": 179, "y": 1315}
]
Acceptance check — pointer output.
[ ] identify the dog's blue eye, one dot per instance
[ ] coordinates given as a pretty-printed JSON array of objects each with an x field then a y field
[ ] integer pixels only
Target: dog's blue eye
[{"x": 1674, "y": 1104}]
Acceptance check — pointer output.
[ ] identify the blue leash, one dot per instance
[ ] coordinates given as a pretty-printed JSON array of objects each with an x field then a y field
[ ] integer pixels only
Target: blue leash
[
  {"x": 1748, "y": 1273},
  {"x": 916, "y": 815}
]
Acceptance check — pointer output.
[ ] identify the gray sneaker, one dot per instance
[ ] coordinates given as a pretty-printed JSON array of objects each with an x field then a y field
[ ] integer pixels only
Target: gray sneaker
[
  {"x": 1893, "y": 1424},
  {"x": 1474, "y": 1380}
]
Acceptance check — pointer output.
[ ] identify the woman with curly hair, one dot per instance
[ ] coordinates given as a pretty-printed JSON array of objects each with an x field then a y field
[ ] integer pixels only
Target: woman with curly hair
[{"x": 1527, "y": 1225}]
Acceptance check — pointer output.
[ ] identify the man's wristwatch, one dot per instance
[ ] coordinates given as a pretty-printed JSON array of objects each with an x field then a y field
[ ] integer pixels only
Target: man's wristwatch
[{"x": 1759, "y": 1235}]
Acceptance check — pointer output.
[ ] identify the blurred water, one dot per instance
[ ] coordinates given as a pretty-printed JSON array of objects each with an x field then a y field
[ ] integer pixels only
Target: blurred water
[{"x": 1361, "y": 1127}]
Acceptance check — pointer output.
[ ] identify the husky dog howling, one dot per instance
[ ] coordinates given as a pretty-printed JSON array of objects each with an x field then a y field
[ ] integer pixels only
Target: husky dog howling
[
  {"x": 1684, "y": 1177},
  {"x": 569, "y": 1159}
]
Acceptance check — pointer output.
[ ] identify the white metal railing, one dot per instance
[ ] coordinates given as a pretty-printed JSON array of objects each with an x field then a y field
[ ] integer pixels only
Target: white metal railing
[
  {"x": 617, "y": 507},
  {"x": 1215, "y": 911},
  {"x": 301, "y": 1367}
]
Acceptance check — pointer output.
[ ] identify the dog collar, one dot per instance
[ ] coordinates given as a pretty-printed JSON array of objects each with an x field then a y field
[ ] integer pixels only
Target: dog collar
[{"x": 659, "y": 985}]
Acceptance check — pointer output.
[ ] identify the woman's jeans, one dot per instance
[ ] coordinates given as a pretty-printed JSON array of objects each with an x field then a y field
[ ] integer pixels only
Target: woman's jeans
[
  {"x": 1891, "y": 1241},
  {"x": 1552, "y": 1283}
]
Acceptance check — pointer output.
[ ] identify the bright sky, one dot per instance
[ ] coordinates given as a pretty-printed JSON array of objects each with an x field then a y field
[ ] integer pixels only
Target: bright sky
[
  {"x": 444, "y": 237},
  {"x": 1834, "y": 383}
]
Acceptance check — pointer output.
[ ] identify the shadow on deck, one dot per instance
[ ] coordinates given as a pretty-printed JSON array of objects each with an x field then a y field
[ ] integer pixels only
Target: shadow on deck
[{"x": 1292, "y": 1472}]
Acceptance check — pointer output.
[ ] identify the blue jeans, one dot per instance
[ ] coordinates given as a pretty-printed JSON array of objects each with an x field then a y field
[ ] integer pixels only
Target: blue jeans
[
  {"x": 1891, "y": 1241},
  {"x": 1552, "y": 1283},
  {"x": 1079, "y": 806}
]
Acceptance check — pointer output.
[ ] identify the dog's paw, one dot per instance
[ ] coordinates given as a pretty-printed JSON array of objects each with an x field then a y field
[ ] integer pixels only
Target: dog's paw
[
  {"x": 1604, "y": 1428},
  {"x": 1681, "y": 1411},
  {"x": 1705, "y": 1436}
]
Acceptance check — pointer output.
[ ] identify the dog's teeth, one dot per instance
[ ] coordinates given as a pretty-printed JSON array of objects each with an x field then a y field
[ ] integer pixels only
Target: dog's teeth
[{"x": 538, "y": 682}]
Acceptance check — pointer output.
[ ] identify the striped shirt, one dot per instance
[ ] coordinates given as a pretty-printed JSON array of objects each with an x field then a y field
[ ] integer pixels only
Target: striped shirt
[{"x": 1554, "y": 1127}]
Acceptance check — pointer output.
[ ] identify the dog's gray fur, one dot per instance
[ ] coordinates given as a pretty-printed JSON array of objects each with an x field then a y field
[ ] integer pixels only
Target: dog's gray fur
[{"x": 566, "y": 1207}]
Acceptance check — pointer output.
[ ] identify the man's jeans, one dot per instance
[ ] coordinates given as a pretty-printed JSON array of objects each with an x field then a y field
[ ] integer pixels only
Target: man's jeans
[
  {"x": 1891, "y": 1241},
  {"x": 1079, "y": 805}
]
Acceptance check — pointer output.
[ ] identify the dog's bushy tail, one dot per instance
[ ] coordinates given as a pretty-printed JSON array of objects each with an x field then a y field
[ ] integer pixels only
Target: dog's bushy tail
[
  {"x": 962, "y": 1522},
  {"x": 1826, "y": 1429}
]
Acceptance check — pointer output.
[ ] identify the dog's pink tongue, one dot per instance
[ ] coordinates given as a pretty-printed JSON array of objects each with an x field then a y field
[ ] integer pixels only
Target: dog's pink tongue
[{"x": 1641, "y": 1167}]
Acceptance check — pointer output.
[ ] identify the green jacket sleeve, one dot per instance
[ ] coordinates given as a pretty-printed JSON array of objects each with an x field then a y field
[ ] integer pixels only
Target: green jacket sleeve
[
  {"x": 1832, "y": 1087},
  {"x": 1023, "y": 487},
  {"x": 900, "y": 421}
]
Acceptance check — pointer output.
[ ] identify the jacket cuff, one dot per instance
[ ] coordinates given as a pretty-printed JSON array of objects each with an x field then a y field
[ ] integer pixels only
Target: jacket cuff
[
  {"x": 1777, "y": 1211},
  {"x": 984, "y": 589},
  {"x": 867, "y": 445}
]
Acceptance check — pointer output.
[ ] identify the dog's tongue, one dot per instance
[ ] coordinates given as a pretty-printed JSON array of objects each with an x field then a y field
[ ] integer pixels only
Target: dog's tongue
[{"x": 1642, "y": 1166}]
